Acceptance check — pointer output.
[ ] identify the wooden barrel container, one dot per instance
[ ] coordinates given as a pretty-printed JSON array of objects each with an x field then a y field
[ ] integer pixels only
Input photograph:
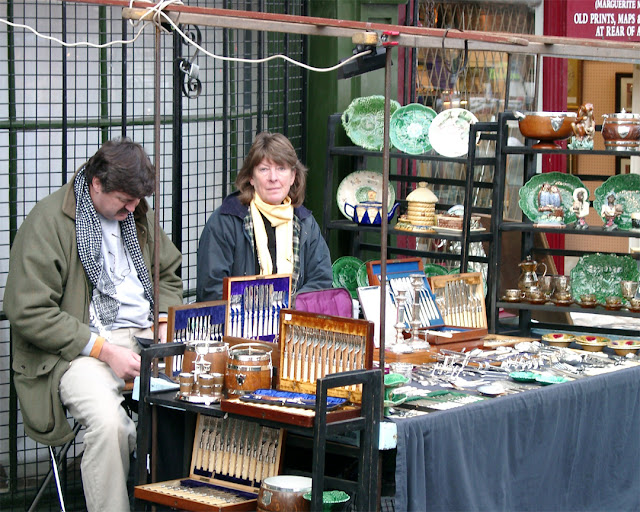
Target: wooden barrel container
[
  {"x": 248, "y": 368},
  {"x": 284, "y": 493}
]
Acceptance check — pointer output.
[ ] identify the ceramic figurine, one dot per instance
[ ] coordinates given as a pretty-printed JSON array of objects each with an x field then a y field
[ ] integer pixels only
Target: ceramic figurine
[
  {"x": 580, "y": 207},
  {"x": 583, "y": 128},
  {"x": 611, "y": 211},
  {"x": 550, "y": 204}
]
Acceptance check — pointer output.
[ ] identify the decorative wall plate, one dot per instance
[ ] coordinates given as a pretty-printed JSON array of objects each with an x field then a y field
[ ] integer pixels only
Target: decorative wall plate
[
  {"x": 361, "y": 186},
  {"x": 363, "y": 121},
  {"x": 409, "y": 128},
  {"x": 601, "y": 274},
  {"x": 449, "y": 132},
  {"x": 627, "y": 190},
  {"x": 529, "y": 193}
]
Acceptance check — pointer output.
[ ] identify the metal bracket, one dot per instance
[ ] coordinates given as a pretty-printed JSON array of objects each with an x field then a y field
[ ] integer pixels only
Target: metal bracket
[{"x": 191, "y": 85}]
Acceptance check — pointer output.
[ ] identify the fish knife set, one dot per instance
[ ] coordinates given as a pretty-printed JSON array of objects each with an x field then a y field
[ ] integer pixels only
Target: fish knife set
[
  {"x": 255, "y": 303},
  {"x": 230, "y": 459}
]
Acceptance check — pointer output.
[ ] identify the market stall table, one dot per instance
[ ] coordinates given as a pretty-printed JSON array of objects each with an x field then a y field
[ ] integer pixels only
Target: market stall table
[{"x": 569, "y": 446}]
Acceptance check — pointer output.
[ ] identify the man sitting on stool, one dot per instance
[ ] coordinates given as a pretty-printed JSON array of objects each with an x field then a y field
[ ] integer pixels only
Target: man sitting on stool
[{"x": 79, "y": 289}]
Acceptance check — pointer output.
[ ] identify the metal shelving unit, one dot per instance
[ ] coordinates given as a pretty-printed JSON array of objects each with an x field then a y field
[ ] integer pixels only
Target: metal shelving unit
[
  {"x": 486, "y": 131},
  {"x": 528, "y": 230}
]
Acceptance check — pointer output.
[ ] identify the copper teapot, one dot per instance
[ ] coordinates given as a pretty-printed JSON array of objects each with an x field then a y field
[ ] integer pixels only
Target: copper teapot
[{"x": 528, "y": 279}]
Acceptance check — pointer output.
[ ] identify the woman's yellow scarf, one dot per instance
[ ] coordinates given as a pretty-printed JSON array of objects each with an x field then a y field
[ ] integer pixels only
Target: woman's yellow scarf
[{"x": 281, "y": 218}]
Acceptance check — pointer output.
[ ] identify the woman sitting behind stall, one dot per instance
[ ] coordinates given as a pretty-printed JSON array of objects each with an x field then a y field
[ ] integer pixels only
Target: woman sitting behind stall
[{"x": 263, "y": 227}]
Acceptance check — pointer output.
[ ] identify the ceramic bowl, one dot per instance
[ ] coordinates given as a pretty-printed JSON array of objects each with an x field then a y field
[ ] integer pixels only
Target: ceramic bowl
[
  {"x": 592, "y": 343},
  {"x": 621, "y": 132},
  {"x": 624, "y": 347},
  {"x": 547, "y": 127},
  {"x": 332, "y": 501},
  {"x": 558, "y": 339}
]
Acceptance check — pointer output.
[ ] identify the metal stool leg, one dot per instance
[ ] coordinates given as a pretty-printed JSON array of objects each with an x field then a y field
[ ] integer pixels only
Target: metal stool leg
[
  {"x": 53, "y": 470},
  {"x": 54, "y": 466}
]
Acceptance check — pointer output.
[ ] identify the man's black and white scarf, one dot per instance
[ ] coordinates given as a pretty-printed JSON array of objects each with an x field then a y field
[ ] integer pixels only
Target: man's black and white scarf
[{"x": 89, "y": 240}]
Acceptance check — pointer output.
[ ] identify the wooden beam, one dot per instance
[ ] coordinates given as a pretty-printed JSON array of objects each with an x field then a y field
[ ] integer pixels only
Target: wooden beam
[{"x": 415, "y": 37}]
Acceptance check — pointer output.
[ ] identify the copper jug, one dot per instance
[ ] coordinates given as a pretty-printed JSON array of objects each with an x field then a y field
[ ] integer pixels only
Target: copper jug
[{"x": 528, "y": 279}]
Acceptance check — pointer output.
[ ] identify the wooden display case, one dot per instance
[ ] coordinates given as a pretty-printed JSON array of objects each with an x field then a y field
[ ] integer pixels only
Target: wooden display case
[
  {"x": 460, "y": 298},
  {"x": 313, "y": 346},
  {"x": 230, "y": 459}
]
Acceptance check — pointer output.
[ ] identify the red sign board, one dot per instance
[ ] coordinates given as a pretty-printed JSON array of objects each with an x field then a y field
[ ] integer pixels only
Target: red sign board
[{"x": 609, "y": 20}]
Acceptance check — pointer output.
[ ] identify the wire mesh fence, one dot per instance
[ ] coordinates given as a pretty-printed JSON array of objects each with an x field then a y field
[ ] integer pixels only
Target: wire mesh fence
[{"x": 59, "y": 103}]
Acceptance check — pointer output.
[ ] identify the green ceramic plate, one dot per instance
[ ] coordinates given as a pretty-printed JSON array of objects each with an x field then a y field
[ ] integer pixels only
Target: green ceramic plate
[
  {"x": 409, "y": 128},
  {"x": 345, "y": 270},
  {"x": 363, "y": 121},
  {"x": 523, "y": 376},
  {"x": 550, "y": 379},
  {"x": 432, "y": 269},
  {"x": 627, "y": 190},
  {"x": 601, "y": 274},
  {"x": 529, "y": 193},
  {"x": 362, "y": 278}
]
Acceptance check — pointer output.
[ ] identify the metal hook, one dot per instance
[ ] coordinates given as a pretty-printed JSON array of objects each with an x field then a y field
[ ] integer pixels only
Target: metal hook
[{"x": 460, "y": 67}]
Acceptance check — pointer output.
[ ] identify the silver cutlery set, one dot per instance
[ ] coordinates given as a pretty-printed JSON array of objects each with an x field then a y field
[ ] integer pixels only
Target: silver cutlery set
[
  {"x": 311, "y": 353},
  {"x": 200, "y": 328},
  {"x": 460, "y": 303},
  {"x": 240, "y": 449},
  {"x": 255, "y": 313},
  {"x": 227, "y": 448}
]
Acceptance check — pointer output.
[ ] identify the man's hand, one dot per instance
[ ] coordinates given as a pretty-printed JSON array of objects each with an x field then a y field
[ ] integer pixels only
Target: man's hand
[
  {"x": 162, "y": 332},
  {"x": 124, "y": 362}
]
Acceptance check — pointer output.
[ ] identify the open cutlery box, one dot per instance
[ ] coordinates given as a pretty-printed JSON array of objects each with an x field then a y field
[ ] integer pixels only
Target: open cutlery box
[
  {"x": 230, "y": 459},
  {"x": 191, "y": 322},
  {"x": 460, "y": 299},
  {"x": 255, "y": 303},
  {"x": 313, "y": 346},
  {"x": 431, "y": 299}
]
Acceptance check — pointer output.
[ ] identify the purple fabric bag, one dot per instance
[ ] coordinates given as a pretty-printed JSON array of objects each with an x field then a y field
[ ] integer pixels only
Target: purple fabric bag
[{"x": 332, "y": 301}]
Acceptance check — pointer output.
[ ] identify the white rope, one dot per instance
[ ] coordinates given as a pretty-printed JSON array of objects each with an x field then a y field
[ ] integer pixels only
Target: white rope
[{"x": 158, "y": 12}]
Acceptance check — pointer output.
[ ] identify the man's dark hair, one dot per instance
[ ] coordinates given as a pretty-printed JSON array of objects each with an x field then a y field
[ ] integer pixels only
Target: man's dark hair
[{"x": 122, "y": 165}]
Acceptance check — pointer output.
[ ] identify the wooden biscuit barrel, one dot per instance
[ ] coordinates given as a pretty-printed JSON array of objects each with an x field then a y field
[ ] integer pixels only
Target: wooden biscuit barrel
[
  {"x": 284, "y": 493},
  {"x": 248, "y": 368}
]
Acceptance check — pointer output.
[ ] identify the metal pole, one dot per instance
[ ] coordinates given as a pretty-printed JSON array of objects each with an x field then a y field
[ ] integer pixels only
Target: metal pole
[
  {"x": 385, "y": 206},
  {"x": 156, "y": 241}
]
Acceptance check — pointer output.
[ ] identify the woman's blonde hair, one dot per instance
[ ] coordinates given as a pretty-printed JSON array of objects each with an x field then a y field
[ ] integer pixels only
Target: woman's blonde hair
[{"x": 279, "y": 150}]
